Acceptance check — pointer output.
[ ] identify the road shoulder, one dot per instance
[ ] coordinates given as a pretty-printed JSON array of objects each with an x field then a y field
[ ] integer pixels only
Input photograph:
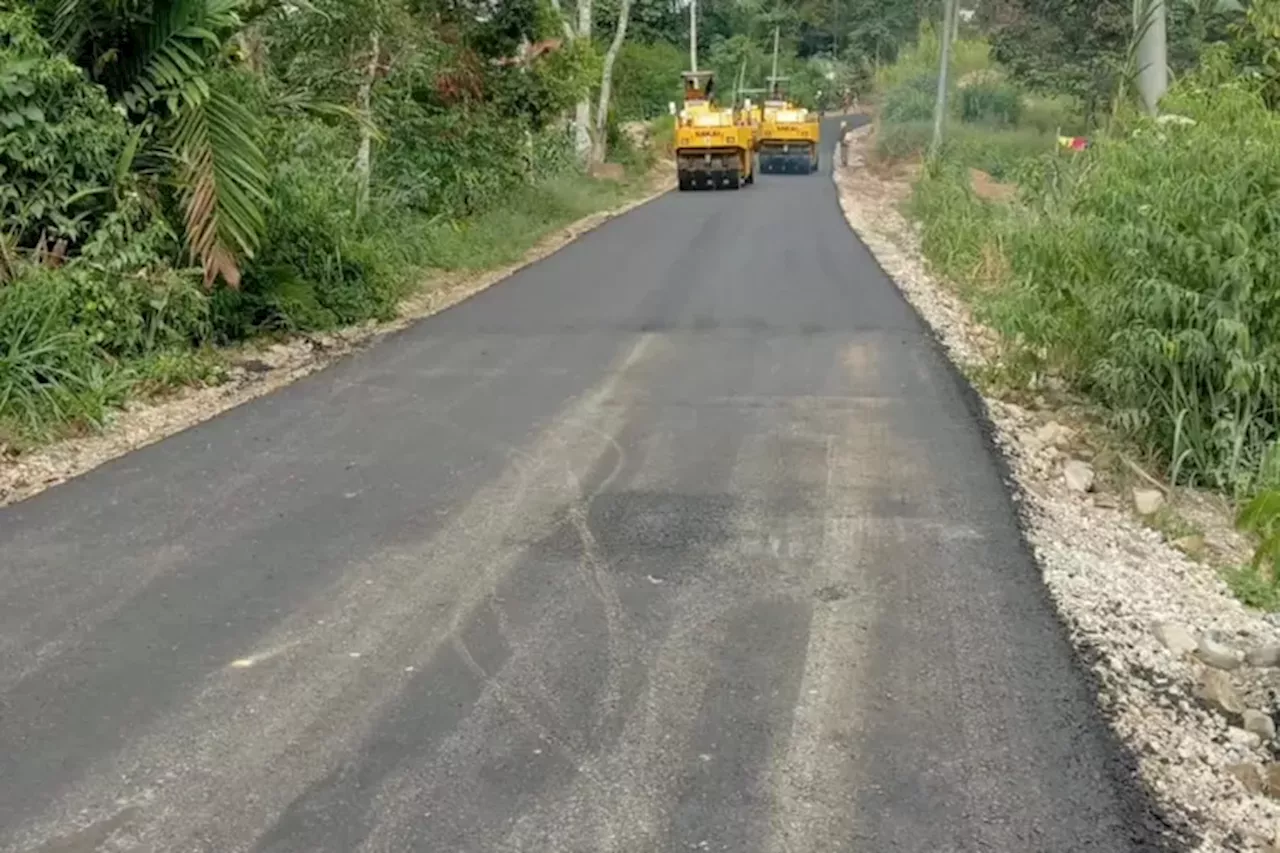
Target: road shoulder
[
  {"x": 256, "y": 371},
  {"x": 1149, "y": 622}
]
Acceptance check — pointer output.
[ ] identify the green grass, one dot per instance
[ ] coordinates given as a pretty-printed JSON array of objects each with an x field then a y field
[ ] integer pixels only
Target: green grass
[
  {"x": 1140, "y": 271},
  {"x": 1000, "y": 152},
  {"x": 1252, "y": 589},
  {"x": 503, "y": 235},
  {"x": 74, "y": 346}
]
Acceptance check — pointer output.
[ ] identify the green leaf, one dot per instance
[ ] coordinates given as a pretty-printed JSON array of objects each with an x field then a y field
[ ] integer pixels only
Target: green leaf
[
  {"x": 224, "y": 182},
  {"x": 125, "y": 162},
  {"x": 1261, "y": 513},
  {"x": 182, "y": 35}
]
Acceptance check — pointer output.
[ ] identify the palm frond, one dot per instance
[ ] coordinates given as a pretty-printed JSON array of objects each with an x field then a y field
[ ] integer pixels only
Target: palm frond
[
  {"x": 223, "y": 178},
  {"x": 69, "y": 23},
  {"x": 183, "y": 33}
]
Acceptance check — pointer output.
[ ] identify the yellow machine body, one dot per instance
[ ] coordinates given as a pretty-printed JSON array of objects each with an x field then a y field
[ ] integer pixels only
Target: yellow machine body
[
  {"x": 713, "y": 144},
  {"x": 789, "y": 138}
]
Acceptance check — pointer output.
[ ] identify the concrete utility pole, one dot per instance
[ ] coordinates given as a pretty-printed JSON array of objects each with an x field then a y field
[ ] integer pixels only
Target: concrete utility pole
[
  {"x": 835, "y": 30},
  {"x": 940, "y": 105},
  {"x": 1149, "y": 20},
  {"x": 775, "y": 54},
  {"x": 693, "y": 35}
]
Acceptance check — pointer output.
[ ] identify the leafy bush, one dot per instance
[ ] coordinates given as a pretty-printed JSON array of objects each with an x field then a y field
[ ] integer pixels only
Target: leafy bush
[
  {"x": 1147, "y": 272},
  {"x": 902, "y": 140},
  {"x": 646, "y": 78},
  {"x": 989, "y": 102},
  {"x": 60, "y": 140},
  {"x": 126, "y": 298},
  {"x": 474, "y": 160},
  {"x": 912, "y": 100},
  {"x": 312, "y": 271}
]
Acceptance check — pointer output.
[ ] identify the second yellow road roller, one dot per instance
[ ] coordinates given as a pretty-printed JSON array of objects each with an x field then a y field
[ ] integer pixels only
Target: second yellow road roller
[{"x": 789, "y": 135}]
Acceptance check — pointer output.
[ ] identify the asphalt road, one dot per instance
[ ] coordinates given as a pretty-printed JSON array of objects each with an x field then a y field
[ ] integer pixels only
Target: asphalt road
[{"x": 685, "y": 538}]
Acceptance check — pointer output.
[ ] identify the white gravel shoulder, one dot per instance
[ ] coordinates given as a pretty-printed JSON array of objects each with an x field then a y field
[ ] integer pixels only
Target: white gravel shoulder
[{"x": 1145, "y": 617}]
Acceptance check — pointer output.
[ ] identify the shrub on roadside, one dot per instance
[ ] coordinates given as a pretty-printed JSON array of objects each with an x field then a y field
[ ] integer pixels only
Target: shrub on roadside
[
  {"x": 1000, "y": 153},
  {"x": 125, "y": 296},
  {"x": 1149, "y": 273},
  {"x": 991, "y": 102},
  {"x": 960, "y": 232},
  {"x": 50, "y": 373},
  {"x": 315, "y": 269},
  {"x": 646, "y": 78},
  {"x": 911, "y": 100},
  {"x": 60, "y": 139}
]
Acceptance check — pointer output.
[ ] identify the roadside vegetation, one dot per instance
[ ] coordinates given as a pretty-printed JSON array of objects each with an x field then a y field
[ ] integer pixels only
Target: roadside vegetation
[
  {"x": 1141, "y": 270},
  {"x": 181, "y": 176}
]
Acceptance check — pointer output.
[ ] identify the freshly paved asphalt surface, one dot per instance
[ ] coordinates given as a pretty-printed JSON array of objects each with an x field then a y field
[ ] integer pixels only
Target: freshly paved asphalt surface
[{"x": 686, "y": 538}]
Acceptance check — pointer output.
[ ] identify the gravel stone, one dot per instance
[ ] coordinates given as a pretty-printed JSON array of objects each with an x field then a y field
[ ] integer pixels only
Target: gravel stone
[
  {"x": 1247, "y": 739},
  {"x": 1216, "y": 689},
  {"x": 1193, "y": 546},
  {"x": 1216, "y": 653},
  {"x": 1251, "y": 776},
  {"x": 1054, "y": 434},
  {"x": 1175, "y": 637},
  {"x": 1260, "y": 724},
  {"x": 1268, "y": 655},
  {"x": 1148, "y": 501},
  {"x": 1078, "y": 475}
]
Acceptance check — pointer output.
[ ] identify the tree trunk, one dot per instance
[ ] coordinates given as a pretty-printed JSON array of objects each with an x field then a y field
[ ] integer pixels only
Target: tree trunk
[
  {"x": 582, "y": 111},
  {"x": 582, "y": 115},
  {"x": 582, "y": 129},
  {"x": 598, "y": 151},
  {"x": 364, "y": 155}
]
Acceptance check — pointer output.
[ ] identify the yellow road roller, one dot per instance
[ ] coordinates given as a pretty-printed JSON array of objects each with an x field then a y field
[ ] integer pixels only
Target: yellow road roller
[
  {"x": 789, "y": 134},
  {"x": 713, "y": 144}
]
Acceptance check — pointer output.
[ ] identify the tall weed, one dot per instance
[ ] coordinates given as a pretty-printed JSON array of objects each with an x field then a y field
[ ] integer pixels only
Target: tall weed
[
  {"x": 1149, "y": 272},
  {"x": 49, "y": 374}
]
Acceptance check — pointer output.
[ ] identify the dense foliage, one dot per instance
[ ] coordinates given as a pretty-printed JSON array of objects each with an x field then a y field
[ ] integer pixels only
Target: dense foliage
[
  {"x": 181, "y": 174},
  {"x": 1141, "y": 269}
]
